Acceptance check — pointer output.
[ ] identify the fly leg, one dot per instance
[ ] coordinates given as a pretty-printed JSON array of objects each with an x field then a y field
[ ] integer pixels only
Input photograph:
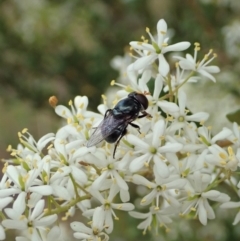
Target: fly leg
[
  {"x": 144, "y": 113},
  {"x": 119, "y": 139},
  {"x": 107, "y": 112},
  {"x": 135, "y": 126}
]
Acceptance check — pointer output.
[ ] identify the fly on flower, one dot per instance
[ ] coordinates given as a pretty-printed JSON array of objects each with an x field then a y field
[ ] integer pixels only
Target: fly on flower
[{"x": 114, "y": 125}]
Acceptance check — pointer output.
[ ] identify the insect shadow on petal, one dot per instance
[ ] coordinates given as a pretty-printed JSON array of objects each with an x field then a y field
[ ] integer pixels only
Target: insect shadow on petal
[{"x": 114, "y": 125}]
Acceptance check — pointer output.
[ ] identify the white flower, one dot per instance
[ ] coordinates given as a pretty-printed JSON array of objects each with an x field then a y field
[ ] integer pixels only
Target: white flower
[
  {"x": 150, "y": 52},
  {"x": 198, "y": 202},
  {"x": 29, "y": 145},
  {"x": 208, "y": 139},
  {"x": 151, "y": 148},
  {"x": 110, "y": 168},
  {"x": 226, "y": 159},
  {"x": 160, "y": 188},
  {"x": 178, "y": 79},
  {"x": 94, "y": 233},
  {"x": 77, "y": 109},
  {"x": 185, "y": 167},
  {"x": 180, "y": 117},
  {"x": 162, "y": 218},
  {"x": 235, "y": 134},
  {"x": 24, "y": 181},
  {"x": 192, "y": 63},
  {"x": 45, "y": 235},
  {"x": 108, "y": 208},
  {"x": 33, "y": 222}
]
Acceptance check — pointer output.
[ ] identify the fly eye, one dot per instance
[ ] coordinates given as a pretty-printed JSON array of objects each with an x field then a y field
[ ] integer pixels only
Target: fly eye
[{"x": 142, "y": 99}]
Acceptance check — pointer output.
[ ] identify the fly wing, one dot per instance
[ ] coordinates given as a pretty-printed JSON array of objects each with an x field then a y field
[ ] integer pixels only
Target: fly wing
[{"x": 108, "y": 125}]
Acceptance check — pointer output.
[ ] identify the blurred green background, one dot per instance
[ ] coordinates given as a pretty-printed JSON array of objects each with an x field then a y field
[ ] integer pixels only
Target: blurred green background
[{"x": 64, "y": 48}]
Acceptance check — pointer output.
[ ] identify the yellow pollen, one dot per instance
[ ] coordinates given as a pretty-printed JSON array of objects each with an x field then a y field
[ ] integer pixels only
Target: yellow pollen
[
  {"x": 80, "y": 117},
  {"x": 7, "y": 184},
  {"x": 50, "y": 146},
  {"x": 143, "y": 200},
  {"x": 164, "y": 45},
  {"x": 146, "y": 164},
  {"x": 206, "y": 56},
  {"x": 205, "y": 164},
  {"x": 69, "y": 120},
  {"x": 81, "y": 106},
  {"x": 115, "y": 102},
  {"x": 147, "y": 30},
  {"x": 163, "y": 32},
  {"x": 104, "y": 97},
  {"x": 35, "y": 164},
  {"x": 215, "y": 55},
  {"x": 14, "y": 153},
  {"x": 22, "y": 217},
  {"x": 193, "y": 209},
  {"x": 189, "y": 193},
  {"x": 9, "y": 148},
  {"x": 5, "y": 167},
  {"x": 169, "y": 118},
  {"x": 223, "y": 155},
  {"x": 119, "y": 207},
  {"x": 70, "y": 102},
  {"x": 24, "y": 130},
  {"x": 24, "y": 178},
  {"x": 112, "y": 83},
  {"x": 223, "y": 163},
  {"x": 177, "y": 64},
  {"x": 19, "y": 134},
  {"x": 197, "y": 44},
  {"x": 64, "y": 113},
  {"x": 230, "y": 151}
]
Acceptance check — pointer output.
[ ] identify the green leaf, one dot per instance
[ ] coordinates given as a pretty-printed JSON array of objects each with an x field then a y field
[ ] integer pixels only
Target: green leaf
[{"x": 234, "y": 116}]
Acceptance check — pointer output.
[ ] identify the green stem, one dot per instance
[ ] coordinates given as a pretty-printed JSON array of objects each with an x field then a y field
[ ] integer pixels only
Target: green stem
[
  {"x": 170, "y": 94},
  {"x": 216, "y": 181},
  {"x": 74, "y": 185},
  {"x": 233, "y": 186},
  {"x": 170, "y": 89},
  {"x": 62, "y": 209},
  {"x": 83, "y": 189},
  {"x": 2, "y": 215}
]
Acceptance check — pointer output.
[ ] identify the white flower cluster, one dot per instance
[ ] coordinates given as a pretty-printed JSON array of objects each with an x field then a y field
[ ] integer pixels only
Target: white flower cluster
[{"x": 174, "y": 157}]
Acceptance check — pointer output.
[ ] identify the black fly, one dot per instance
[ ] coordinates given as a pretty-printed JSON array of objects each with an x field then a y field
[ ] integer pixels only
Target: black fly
[{"x": 114, "y": 125}]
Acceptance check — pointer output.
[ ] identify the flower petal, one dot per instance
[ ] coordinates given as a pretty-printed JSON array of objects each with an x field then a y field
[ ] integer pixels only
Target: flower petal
[{"x": 163, "y": 66}]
